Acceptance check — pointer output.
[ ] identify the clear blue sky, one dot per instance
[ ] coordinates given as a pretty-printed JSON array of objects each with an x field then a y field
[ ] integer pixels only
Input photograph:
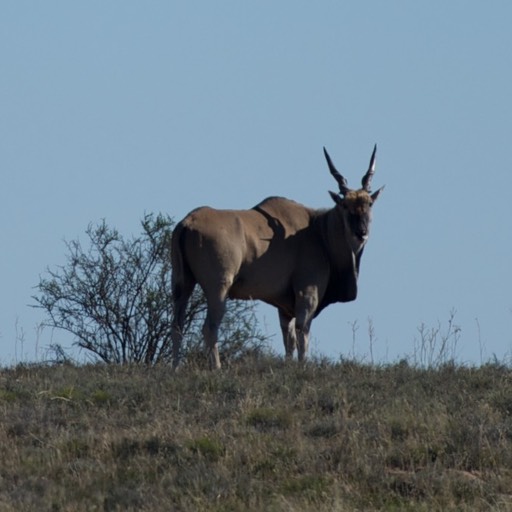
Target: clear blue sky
[{"x": 112, "y": 109}]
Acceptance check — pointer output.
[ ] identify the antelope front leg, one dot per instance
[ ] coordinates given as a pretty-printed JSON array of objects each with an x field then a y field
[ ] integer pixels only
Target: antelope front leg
[
  {"x": 306, "y": 304},
  {"x": 289, "y": 336}
]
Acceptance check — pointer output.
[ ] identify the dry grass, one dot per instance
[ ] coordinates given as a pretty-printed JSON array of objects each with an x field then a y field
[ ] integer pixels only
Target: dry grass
[{"x": 260, "y": 435}]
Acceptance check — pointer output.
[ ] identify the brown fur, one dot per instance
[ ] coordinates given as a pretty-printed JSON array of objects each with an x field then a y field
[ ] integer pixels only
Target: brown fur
[
  {"x": 295, "y": 258},
  {"x": 358, "y": 201}
]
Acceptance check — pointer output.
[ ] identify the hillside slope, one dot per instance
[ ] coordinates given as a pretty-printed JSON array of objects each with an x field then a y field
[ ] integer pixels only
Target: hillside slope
[{"x": 259, "y": 435}]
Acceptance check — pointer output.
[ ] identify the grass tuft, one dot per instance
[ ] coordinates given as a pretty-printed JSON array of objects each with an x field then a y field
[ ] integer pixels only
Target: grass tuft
[
  {"x": 210, "y": 449},
  {"x": 266, "y": 418}
]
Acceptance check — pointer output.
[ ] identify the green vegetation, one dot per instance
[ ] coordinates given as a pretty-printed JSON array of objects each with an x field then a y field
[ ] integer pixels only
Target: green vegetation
[{"x": 260, "y": 435}]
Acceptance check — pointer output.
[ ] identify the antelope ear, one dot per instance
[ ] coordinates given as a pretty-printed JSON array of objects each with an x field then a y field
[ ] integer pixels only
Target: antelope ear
[
  {"x": 336, "y": 198},
  {"x": 375, "y": 195}
]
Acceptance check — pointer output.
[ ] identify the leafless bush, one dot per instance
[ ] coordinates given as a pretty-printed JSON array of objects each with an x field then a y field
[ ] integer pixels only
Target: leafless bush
[
  {"x": 437, "y": 346},
  {"x": 114, "y": 298}
]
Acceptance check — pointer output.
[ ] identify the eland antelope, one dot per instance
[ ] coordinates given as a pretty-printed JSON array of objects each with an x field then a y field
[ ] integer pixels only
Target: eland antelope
[{"x": 295, "y": 258}]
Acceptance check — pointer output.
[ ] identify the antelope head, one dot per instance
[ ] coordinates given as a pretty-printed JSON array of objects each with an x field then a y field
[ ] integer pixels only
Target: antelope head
[{"x": 355, "y": 206}]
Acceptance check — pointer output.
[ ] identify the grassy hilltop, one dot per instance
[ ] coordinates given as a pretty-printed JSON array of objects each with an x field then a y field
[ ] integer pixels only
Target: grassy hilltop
[{"x": 260, "y": 435}]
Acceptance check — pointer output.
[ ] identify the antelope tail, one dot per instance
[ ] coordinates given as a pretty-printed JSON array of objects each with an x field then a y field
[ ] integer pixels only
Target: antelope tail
[{"x": 179, "y": 267}]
